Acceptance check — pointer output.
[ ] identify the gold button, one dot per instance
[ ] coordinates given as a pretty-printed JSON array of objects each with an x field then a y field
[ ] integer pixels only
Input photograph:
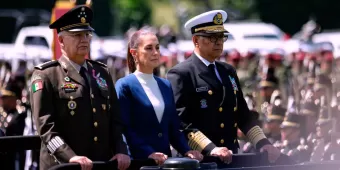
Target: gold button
[
  {"x": 222, "y": 125},
  {"x": 95, "y": 124},
  {"x": 222, "y": 141},
  {"x": 94, "y": 110},
  {"x": 235, "y": 125},
  {"x": 92, "y": 96},
  {"x": 235, "y": 108},
  {"x": 71, "y": 97},
  {"x": 210, "y": 92},
  {"x": 220, "y": 109},
  {"x": 95, "y": 139},
  {"x": 235, "y": 140},
  {"x": 104, "y": 106},
  {"x": 160, "y": 134}
]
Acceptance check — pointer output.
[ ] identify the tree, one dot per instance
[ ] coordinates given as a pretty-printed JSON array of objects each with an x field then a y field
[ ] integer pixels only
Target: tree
[{"x": 132, "y": 13}]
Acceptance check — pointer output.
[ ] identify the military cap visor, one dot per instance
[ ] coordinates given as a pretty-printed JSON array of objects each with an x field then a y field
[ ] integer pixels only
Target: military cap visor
[
  {"x": 208, "y": 22},
  {"x": 77, "y": 19}
]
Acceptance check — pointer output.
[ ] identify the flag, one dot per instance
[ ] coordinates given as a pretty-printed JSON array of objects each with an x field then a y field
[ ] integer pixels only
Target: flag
[{"x": 37, "y": 86}]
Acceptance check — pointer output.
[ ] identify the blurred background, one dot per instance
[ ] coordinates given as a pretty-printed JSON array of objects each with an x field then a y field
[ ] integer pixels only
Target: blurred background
[{"x": 286, "y": 53}]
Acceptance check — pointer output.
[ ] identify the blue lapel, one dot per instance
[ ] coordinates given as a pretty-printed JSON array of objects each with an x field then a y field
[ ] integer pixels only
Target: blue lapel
[{"x": 151, "y": 110}]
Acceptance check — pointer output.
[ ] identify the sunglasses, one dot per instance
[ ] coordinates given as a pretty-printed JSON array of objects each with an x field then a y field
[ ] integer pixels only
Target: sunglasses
[{"x": 214, "y": 38}]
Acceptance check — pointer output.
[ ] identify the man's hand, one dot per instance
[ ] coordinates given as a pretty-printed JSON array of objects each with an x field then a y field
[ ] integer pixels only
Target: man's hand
[
  {"x": 194, "y": 155},
  {"x": 273, "y": 153},
  {"x": 158, "y": 157},
  {"x": 85, "y": 163},
  {"x": 123, "y": 161},
  {"x": 223, "y": 153}
]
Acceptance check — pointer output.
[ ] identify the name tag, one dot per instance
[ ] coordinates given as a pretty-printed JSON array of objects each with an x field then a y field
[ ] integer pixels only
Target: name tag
[{"x": 201, "y": 89}]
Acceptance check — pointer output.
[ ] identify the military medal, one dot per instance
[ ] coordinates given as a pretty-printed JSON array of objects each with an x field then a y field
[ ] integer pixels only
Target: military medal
[
  {"x": 72, "y": 105},
  {"x": 101, "y": 83},
  {"x": 203, "y": 103},
  {"x": 69, "y": 87},
  {"x": 233, "y": 82}
]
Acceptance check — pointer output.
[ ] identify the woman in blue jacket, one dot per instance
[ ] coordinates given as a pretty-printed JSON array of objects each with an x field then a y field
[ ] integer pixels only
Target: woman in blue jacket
[{"x": 147, "y": 104}]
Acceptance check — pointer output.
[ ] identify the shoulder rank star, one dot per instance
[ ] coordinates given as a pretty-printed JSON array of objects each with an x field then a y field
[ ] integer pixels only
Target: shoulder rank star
[{"x": 233, "y": 82}]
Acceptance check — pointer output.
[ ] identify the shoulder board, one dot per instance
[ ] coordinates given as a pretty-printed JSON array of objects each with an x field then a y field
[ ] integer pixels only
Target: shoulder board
[
  {"x": 98, "y": 63},
  {"x": 46, "y": 64}
]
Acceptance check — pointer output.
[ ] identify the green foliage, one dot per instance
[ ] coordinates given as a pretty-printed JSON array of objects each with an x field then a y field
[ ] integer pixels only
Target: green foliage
[{"x": 132, "y": 13}]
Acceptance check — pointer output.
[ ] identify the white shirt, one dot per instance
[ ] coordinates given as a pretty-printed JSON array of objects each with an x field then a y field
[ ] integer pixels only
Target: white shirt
[
  {"x": 153, "y": 92},
  {"x": 207, "y": 63}
]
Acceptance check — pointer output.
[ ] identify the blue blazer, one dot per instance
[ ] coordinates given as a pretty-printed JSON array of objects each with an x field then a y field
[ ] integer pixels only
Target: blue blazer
[{"x": 144, "y": 133}]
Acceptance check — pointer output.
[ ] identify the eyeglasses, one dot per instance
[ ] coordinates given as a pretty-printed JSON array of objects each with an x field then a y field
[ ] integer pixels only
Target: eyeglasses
[{"x": 214, "y": 38}]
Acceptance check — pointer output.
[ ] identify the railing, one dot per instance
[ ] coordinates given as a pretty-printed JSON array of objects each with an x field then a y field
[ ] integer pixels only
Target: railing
[{"x": 258, "y": 161}]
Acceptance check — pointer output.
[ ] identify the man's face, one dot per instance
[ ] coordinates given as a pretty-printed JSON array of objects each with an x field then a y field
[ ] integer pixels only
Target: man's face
[
  {"x": 210, "y": 45},
  {"x": 76, "y": 44}
]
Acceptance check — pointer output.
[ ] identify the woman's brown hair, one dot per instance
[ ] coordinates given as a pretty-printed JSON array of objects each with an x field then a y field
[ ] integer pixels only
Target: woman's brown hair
[{"x": 133, "y": 44}]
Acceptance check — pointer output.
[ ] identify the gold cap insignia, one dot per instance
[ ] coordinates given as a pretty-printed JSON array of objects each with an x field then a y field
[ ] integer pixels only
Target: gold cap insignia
[
  {"x": 82, "y": 19},
  {"x": 218, "y": 19}
]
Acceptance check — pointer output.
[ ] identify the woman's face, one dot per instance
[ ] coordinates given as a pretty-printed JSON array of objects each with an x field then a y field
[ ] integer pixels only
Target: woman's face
[{"x": 147, "y": 53}]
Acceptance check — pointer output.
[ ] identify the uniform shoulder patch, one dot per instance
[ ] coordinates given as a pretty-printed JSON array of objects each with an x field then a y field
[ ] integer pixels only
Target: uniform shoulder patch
[
  {"x": 98, "y": 63},
  {"x": 47, "y": 64}
]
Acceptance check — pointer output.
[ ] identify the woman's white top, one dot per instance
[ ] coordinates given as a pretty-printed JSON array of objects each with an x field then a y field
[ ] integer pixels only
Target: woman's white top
[{"x": 153, "y": 92}]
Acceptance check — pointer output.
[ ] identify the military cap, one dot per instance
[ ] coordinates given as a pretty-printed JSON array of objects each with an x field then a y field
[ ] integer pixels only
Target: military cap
[
  {"x": 276, "y": 113},
  {"x": 77, "y": 19},
  {"x": 292, "y": 120},
  {"x": 309, "y": 108},
  {"x": 325, "y": 46},
  {"x": 269, "y": 79},
  {"x": 208, "y": 22},
  {"x": 11, "y": 89}
]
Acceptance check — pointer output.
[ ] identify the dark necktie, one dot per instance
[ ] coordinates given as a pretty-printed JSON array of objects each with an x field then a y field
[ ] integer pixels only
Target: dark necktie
[
  {"x": 83, "y": 74},
  {"x": 212, "y": 71}
]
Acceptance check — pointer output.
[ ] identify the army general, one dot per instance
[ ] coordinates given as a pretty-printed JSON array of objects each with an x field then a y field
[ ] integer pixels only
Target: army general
[
  {"x": 208, "y": 96},
  {"x": 74, "y": 101}
]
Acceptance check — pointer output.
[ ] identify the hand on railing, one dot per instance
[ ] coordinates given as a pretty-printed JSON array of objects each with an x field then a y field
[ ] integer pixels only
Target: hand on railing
[{"x": 85, "y": 163}]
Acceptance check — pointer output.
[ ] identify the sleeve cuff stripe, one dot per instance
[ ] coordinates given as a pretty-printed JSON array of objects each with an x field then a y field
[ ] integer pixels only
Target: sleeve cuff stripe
[
  {"x": 255, "y": 134},
  {"x": 54, "y": 144}
]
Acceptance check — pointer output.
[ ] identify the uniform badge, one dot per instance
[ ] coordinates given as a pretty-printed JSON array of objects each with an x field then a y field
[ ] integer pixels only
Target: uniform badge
[
  {"x": 36, "y": 77},
  {"x": 37, "y": 85},
  {"x": 201, "y": 89},
  {"x": 67, "y": 79},
  {"x": 233, "y": 82},
  {"x": 203, "y": 103},
  {"x": 72, "y": 105},
  {"x": 69, "y": 87}
]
